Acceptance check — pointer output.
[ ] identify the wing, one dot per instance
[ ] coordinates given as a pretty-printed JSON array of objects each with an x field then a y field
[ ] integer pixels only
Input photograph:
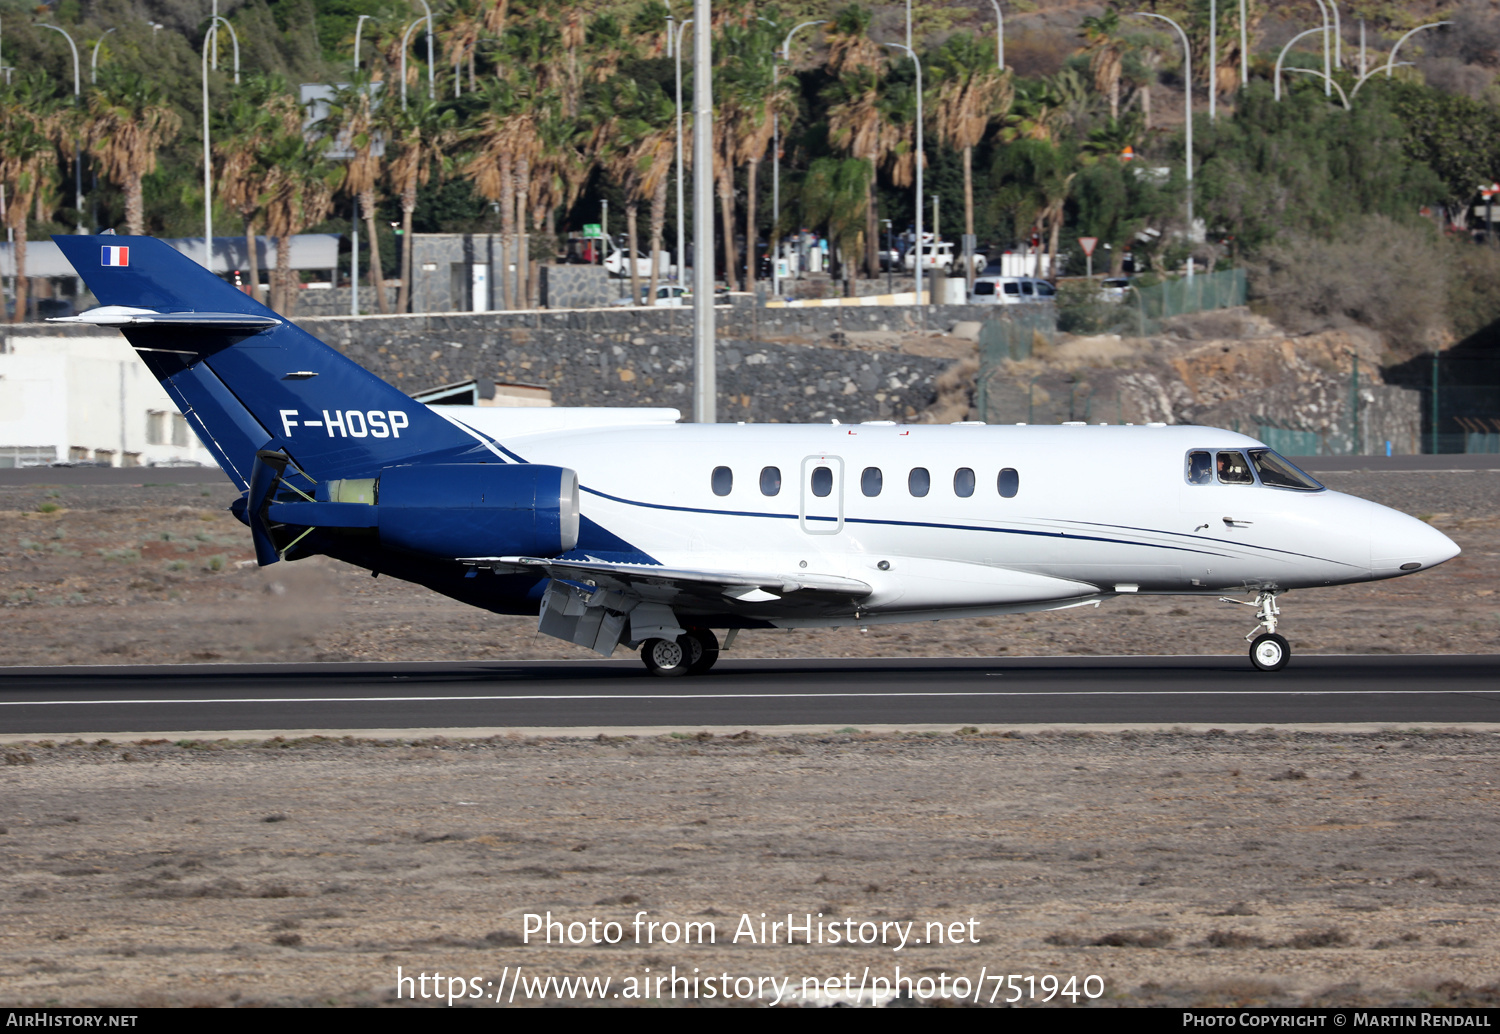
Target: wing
[{"x": 649, "y": 582}]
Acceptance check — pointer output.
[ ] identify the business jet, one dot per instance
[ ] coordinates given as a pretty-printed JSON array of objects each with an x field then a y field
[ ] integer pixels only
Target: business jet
[{"x": 621, "y": 526}]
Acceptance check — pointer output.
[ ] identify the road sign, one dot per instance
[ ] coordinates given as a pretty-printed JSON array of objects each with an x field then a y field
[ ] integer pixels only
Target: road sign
[
  {"x": 592, "y": 230},
  {"x": 1088, "y": 244}
]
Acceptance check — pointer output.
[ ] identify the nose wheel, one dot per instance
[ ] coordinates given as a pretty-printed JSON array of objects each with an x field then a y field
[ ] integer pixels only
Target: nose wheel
[{"x": 1269, "y": 651}]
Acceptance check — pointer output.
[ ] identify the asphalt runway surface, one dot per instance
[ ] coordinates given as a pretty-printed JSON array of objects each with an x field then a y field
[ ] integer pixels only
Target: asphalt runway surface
[{"x": 1446, "y": 689}]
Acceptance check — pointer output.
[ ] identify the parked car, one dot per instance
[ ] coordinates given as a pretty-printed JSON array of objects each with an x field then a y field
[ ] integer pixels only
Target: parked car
[
  {"x": 1011, "y": 290},
  {"x": 618, "y": 263},
  {"x": 941, "y": 256},
  {"x": 668, "y": 296},
  {"x": 1113, "y": 289}
]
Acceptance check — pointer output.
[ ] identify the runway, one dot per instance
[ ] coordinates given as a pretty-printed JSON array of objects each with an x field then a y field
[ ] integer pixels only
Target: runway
[{"x": 1445, "y": 689}]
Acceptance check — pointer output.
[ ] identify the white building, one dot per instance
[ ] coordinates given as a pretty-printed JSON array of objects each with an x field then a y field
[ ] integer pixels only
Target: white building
[{"x": 87, "y": 398}]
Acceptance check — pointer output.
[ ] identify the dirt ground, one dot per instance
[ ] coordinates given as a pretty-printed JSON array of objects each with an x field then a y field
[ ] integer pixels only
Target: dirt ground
[
  {"x": 163, "y": 574},
  {"x": 1208, "y": 867},
  {"x": 1205, "y": 868}
]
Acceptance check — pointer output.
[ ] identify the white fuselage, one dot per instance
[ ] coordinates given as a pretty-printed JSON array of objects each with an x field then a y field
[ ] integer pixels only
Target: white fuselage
[{"x": 1095, "y": 512}]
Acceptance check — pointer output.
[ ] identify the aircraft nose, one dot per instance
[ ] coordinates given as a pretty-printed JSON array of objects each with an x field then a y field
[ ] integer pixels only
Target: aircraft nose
[{"x": 1400, "y": 544}]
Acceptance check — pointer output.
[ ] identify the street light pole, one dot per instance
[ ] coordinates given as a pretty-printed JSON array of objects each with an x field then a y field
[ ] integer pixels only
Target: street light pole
[
  {"x": 1213, "y": 60},
  {"x": 358, "y": 28},
  {"x": 94, "y": 60},
  {"x": 77, "y": 147},
  {"x": 431, "y": 83},
  {"x": 917, "y": 265},
  {"x": 236, "y": 38},
  {"x": 681, "y": 213},
  {"x": 1391, "y": 61},
  {"x": 208, "y": 192},
  {"x": 1276, "y": 78},
  {"x": 406, "y": 45},
  {"x": 999, "y": 35},
  {"x": 1244, "y": 48},
  {"x": 1327, "y": 51},
  {"x": 705, "y": 373},
  {"x": 1187, "y": 63},
  {"x": 786, "y": 56}
]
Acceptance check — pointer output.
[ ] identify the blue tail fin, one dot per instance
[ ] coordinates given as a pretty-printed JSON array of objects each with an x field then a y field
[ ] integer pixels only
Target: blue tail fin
[{"x": 246, "y": 379}]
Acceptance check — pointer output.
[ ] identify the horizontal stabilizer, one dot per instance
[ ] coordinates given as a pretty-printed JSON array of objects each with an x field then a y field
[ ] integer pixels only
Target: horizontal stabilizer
[{"x": 130, "y": 316}]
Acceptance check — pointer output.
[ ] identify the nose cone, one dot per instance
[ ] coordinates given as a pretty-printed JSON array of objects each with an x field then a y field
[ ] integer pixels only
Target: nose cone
[{"x": 1402, "y": 545}]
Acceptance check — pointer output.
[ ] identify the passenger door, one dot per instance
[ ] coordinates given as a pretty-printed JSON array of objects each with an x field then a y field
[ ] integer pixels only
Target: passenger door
[{"x": 821, "y": 510}]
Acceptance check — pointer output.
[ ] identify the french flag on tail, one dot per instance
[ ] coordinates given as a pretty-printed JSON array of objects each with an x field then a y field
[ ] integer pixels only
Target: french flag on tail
[{"x": 115, "y": 256}]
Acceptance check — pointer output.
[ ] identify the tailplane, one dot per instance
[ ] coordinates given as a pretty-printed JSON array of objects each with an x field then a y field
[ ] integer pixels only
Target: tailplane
[{"x": 248, "y": 380}]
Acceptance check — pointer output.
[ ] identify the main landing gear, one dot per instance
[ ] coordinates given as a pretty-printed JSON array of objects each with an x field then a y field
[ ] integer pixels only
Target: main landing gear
[
  {"x": 1268, "y": 650},
  {"x": 690, "y": 654}
]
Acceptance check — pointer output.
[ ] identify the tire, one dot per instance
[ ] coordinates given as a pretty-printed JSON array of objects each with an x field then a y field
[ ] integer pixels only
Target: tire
[
  {"x": 669, "y": 658},
  {"x": 706, "y": 650},
  {"x": 1270, "y": 652}
]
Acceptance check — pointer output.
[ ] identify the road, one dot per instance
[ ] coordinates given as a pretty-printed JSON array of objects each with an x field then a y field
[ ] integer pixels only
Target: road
[{"x": 753, "y": 693}]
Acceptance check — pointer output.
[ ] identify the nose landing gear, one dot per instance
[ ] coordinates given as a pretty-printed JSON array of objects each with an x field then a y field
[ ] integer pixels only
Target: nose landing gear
[{"x": 1269, "y": 651}]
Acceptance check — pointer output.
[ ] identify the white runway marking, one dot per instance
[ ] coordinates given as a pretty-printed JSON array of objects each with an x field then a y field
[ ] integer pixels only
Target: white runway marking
[{"x": 769, "y": 696}]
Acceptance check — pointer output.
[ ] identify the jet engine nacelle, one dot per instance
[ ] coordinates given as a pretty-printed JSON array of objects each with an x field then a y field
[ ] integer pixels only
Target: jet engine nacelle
[
  {"x": 444, "y": 509},
  {"x": 478, "y": 509}
]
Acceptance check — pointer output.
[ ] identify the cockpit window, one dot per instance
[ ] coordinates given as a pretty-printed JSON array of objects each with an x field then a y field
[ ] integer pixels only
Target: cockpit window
[
  {"x": 1233, "y": 470},
  {"x": 1200, "y": 468},
  {"x": 1279, "y": 472}
]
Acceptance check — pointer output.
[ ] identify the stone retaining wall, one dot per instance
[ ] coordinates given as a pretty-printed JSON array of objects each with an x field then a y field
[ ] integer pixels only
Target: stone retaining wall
[{"x": 782, "y": 366}]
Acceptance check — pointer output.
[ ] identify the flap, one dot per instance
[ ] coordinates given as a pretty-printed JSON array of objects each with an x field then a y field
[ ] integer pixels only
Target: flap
[{"x": 736, "y": 584}]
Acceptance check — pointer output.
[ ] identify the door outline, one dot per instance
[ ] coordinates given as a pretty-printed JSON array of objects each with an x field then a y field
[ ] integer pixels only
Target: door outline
[{"x": 819, "y": 524}]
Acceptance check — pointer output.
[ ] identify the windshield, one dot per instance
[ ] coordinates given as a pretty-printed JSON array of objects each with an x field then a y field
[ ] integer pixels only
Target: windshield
[{"x": 1279, "y": 472}]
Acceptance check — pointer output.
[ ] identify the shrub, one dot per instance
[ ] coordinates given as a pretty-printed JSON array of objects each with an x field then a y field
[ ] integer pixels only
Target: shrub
[{"x": 1374, "y": 271}]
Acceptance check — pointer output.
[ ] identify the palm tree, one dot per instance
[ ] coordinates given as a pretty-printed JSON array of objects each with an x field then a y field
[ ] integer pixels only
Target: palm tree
[
  {"x": 858, "y": 123},
  {"x": 255, "y": 117},
  {"x": 971, "y": 92},
  {"x": 353, "y": 119},
  {"x": 835, "y": 194},
  {"x": 420, "y": 137},
  {"x": 748, "y": 101},
  {"x": 27, "y": 161},
  {"x": 1105, "y": 46},
  {"x": 129, "y": 120},
  {"x": 637, "y": 155},
  {"x": 298, "y": 193}
]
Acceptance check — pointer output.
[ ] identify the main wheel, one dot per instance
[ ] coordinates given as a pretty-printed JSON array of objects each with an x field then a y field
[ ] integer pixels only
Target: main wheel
[
  {"x": 669, "y": 658},
  {"x": 1270, "y": 652},
  {"x": 705, "y": 652}
]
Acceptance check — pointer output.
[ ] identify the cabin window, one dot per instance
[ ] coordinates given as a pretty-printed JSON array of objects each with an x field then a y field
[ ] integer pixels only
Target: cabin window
[
  {"x": 1044, "y": 290},
  {"x": 1279, "y": 472},
  {"x": 1009, "y": 483},
  {"x": 963, "y": 482},
  {"x": 723, "y": 480},
  {"x": 919, "y": 482},
  {"x": 770, "y": 480},
  {"x": 871, "y": 481},
  {"x": 1200, "y": 468},
  {"x": 984, "y": 287},
  {"x": 1012, "y": 288},
  {"x": 822, "y": 482},
  {"x": 1233, "y": 469},
  {"x": 1027, "y": 289}
]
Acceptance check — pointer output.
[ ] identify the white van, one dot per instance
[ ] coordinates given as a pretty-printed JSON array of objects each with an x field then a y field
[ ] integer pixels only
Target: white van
[{"x": 1011, "y": 290}]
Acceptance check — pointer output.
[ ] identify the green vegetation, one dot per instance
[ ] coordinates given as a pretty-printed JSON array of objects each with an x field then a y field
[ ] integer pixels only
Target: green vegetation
[{"x": 541, "y": 113}]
